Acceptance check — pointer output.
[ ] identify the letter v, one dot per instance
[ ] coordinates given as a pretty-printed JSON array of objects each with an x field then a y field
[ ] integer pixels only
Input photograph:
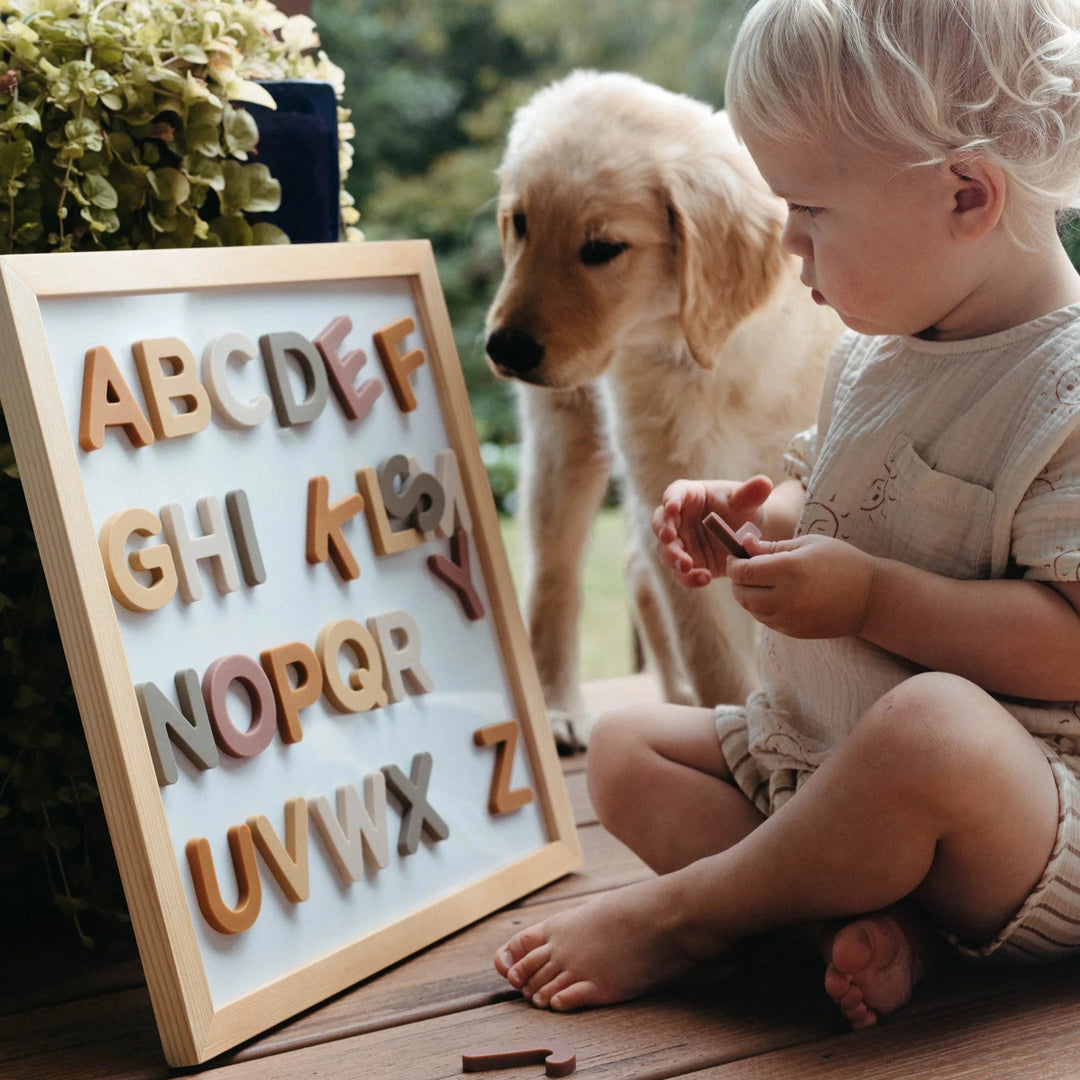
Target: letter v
[{"x": 288, "y": 862}]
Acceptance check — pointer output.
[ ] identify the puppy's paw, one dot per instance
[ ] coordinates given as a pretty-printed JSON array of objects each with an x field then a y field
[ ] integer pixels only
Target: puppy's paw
[{"x": 571, "y": 730}]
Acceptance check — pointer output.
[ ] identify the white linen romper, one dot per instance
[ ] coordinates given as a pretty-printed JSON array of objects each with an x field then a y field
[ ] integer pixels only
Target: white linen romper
[{"x": 963, "y": 458}]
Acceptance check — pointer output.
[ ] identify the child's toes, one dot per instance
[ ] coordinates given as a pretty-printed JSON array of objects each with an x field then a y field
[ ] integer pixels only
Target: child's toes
[
  {"x": 861, "y": 1016},
  {"x": 837, "y": 984},
  {"x": 851, "y": 1002},
  {"x": 504, "y": 961},
  {"x": 578, "y": 995},
  {"x": 542, "y": 998},
  {"x": 540, "y": 978}
]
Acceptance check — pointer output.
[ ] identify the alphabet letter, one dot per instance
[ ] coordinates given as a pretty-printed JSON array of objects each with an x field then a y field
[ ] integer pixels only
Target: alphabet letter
[
  {"x": 107, "y": 401},
  {"x": 157, "y": 561},
  {"x": 247, "y": 544},
  {"x": 291, "y": 699},
  {"x": 189, "y": 729},
  {"x": 504, "y": 737},
  {"x": 215, "y": 685},
  {"x": 398, "y": 367},
  {"x": 457, "y": 573},
  {"x": 456, "y": 510},
  {"x": 288, "y": 862},
  {"x": 399, "y": 642},
  {"x": 417, "y": 814},
  {"x": 161, "y": 389},
  {"x": 324, "y": 536},
  {"x": 416, "y": 488},
  {"x": 189, "y": 551},
  {"x": 276, "y": 351},
  {"x": 358, "y": 833},
  {"x": 224, "y": 919},
  {"x": 364, "y": 689},
  {"x": 215, "y": 364},
  {"x": 383, "y": 538},
  {"x": 356, "y": 401}
]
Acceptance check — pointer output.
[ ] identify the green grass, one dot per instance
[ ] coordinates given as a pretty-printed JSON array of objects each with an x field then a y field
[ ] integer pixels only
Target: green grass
[{"x": 606, "y": 635}]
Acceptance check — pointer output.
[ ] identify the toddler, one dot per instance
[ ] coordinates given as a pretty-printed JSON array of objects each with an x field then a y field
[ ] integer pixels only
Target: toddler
[{"x": 908, "y": 776}]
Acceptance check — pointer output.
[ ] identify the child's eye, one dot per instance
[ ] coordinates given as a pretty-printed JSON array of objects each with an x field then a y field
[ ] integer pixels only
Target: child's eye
[{"x": 810, "y": 211}]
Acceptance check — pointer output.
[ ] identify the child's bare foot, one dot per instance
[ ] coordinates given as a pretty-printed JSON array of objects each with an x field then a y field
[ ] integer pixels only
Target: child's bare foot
[
  {"x": 875, "y": 961},
  {"x": 612, "y": 949}
]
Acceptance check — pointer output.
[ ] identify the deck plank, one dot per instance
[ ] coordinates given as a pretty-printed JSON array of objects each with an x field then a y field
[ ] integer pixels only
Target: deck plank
[
  {"x": 659, "y": 1037},
  {"x": 1027, "y": 1029}
]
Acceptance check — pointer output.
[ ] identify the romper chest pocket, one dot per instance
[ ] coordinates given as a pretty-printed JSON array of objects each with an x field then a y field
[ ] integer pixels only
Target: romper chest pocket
[{"x": 918, "y": 515}]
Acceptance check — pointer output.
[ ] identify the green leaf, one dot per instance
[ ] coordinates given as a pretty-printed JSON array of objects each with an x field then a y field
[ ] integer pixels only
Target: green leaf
[
  {"x": 170, "y": 186},
  {"x": 203, "y": 138},
  {"x": 100, "y": 192},
  {"x": 263, "y": 232},
  {"x": 19, "y": 114},
  {"x": 241, "y": 132},
  {"x": 264, "y": 192},
  {"x": 27, "y": 696},
  {"x": 100, "y": 220},
  {"x": 249, "y": 188},
  {"x": 232, "y": 230},
  {"x": 206, "y": 171},
  {"x": 16, "y": 156}
]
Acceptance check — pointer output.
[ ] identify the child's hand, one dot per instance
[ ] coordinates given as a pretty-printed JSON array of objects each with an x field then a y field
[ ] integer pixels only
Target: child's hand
[
  {"x": 809, "y": 587},
  {"x": 684, "y": 545}
]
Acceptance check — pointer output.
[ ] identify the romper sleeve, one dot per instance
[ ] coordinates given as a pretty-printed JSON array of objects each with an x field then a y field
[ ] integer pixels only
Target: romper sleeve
[{"x": 1046, "y": 526}]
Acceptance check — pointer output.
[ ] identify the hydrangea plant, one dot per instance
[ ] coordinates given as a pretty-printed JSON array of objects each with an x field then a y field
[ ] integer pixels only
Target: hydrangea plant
[
  {"x": 122, "y": 125},
  {"x": 122, "y": 122}
]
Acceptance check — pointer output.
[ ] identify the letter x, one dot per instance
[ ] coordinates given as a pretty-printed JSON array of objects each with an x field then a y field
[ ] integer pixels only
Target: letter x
[{"x": 417, "y": 814}]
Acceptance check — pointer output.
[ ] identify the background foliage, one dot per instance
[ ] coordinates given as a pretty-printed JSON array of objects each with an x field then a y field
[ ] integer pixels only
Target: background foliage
[{"x": 432, "y": 89}]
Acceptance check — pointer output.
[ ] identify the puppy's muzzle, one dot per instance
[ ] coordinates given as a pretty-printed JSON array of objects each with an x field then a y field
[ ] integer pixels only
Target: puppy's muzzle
[{"x": 515, "y": 353}]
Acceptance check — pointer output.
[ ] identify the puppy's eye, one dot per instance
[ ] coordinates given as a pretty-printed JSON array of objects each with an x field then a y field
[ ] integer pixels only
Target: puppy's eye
[
  {"x": 519, "y": 226},
  {"x": 598, "y": 252}
]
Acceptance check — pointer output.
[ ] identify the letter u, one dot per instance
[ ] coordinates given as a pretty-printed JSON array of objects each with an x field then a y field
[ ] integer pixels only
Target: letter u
[{"x": 225, "y": 919}]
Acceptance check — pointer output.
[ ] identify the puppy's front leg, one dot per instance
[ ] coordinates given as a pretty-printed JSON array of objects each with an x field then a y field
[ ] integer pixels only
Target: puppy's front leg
[{"x": 565, "y": 470}]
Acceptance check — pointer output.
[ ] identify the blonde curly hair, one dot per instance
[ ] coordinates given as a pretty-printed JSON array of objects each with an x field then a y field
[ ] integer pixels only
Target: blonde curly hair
[{"x": 940, "y": 81}]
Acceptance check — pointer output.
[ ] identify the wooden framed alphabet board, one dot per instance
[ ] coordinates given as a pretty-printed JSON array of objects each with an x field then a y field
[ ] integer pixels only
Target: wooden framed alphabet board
[{"x": 275, "y": 563}]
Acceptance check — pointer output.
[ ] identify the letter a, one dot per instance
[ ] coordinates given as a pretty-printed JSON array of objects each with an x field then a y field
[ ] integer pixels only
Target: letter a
[{"x": 107, "y": 401}]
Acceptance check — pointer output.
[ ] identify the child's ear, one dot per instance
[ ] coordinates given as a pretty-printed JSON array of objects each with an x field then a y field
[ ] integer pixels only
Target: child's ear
[{"x": 978, "y": 199}]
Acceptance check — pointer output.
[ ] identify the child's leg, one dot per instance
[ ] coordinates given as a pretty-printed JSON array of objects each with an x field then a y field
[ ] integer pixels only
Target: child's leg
[
  {"x": 660, "y": 784},
  {"x": 938, "y": 795}
]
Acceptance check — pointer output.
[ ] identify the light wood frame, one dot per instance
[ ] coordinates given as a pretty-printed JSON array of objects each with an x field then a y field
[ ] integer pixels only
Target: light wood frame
[{"x": 192, "y": 1029}]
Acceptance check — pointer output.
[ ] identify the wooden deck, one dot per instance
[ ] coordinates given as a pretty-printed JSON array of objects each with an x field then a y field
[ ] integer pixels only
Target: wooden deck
[{"x": 757, "y": 1015}]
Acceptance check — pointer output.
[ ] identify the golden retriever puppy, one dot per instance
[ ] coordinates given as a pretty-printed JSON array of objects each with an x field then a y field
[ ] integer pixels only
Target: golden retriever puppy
[{"x": 656, "y": 326}]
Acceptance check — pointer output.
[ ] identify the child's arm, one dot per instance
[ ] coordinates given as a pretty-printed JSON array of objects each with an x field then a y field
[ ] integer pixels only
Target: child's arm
[
  {"x": 1019, "y": 638},
  {"x": 685, "y": 544}
]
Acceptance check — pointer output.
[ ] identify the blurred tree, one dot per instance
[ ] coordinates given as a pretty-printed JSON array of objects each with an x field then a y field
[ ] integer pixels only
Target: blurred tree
[{"x": 433, "y": 88}]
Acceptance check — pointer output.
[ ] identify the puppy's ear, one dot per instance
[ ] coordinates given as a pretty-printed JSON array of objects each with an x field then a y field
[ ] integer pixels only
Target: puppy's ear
[{"x": 726, "y": 227}]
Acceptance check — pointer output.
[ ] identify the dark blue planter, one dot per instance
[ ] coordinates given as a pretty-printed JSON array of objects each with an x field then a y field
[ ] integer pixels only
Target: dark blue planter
[{"x": 298, "y": 143}]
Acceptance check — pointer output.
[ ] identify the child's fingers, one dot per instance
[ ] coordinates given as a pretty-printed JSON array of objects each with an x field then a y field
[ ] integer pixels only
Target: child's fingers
[{"x": 748, "y": 496}]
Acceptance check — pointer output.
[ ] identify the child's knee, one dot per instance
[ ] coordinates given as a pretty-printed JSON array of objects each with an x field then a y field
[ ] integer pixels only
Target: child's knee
[
  {"x": 933, "y": 728},
  {"x": 615, "y": 746}
]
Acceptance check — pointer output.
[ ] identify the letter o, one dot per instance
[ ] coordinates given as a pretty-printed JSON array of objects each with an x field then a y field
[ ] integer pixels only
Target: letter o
[{"x": 219, "y": 676}]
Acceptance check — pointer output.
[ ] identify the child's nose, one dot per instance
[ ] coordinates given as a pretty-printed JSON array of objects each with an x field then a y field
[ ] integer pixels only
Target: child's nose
[{"x": 794, "y": 238}]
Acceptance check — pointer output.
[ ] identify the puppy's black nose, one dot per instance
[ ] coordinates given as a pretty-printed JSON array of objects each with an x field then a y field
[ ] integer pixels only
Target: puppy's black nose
[{"x": 514, "y": 352}]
